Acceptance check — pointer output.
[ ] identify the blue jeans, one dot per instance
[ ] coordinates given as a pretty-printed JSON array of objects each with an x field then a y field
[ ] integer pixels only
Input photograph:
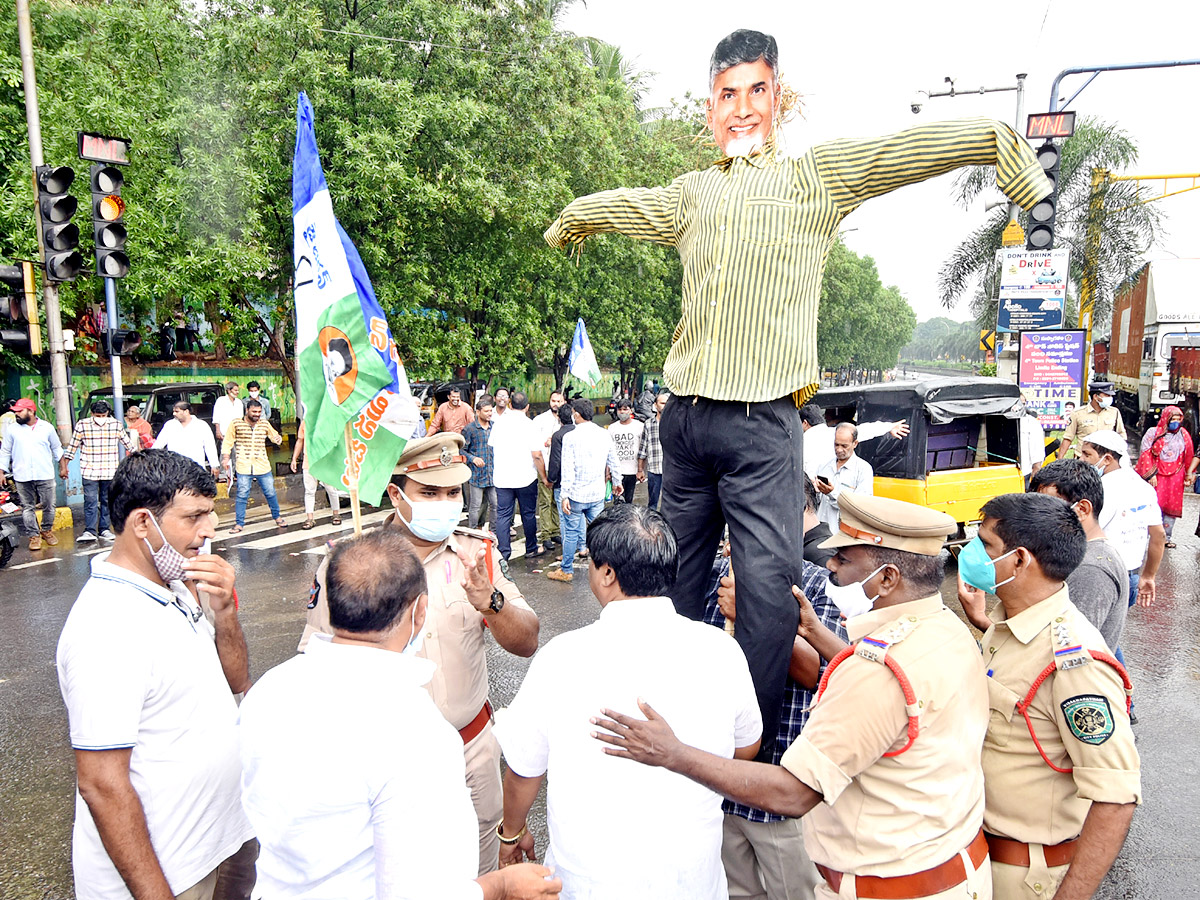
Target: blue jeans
[
  {"x": 654, "y": 486},
  {"x": 31, "y": 493},
  {"x": 575, "y": 531},
  {"x": 506, "y": 501},
  {"x": 267, "y": 483},
  {"x": 95, "y": 500}
]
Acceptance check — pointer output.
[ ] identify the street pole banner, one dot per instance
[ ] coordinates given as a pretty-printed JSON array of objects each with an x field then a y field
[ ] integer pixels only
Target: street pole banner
[
  {"x": 358, "y": 409},
  {"x": 1033, "y": 289},
  {"x": 582, "y": 362},
  {"x": 1050, "y": 374}
]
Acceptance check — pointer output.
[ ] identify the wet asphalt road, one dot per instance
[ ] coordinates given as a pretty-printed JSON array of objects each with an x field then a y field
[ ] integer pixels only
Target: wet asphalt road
[{"x": 37, "y": 772}]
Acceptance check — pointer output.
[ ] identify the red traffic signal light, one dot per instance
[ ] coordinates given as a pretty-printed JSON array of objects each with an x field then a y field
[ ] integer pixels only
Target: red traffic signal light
[{"x": 60, "y": 237}]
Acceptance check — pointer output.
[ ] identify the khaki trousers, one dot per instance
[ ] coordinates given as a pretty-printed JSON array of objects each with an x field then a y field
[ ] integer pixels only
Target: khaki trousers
[
  {"x": 978, "y": 885},
  {"x": 547, "y": 515},
  {"x": 766, "y": 860},
  {"x": 1038, "y": 882},
  {"x": 483, "y": 778}
]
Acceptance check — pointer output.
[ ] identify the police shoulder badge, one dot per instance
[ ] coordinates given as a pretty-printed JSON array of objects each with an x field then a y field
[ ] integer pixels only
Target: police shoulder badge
[{"x": 1089, "y": 717}]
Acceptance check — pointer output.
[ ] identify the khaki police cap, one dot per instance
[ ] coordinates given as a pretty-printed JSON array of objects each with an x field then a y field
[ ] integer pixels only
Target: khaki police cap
[
  {"x": 884, "y": 522},
  {"x": 437, "y": 460}
]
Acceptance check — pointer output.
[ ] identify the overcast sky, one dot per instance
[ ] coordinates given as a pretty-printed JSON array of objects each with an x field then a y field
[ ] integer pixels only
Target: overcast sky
[{"x": 860, "y": 64}]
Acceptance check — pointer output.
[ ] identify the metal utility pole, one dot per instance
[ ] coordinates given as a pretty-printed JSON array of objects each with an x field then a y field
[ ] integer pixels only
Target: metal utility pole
[{"x": 58, "y": 361}]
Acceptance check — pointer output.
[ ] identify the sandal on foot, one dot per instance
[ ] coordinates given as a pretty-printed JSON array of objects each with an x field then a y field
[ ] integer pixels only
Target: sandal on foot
[
  {"x": 235, "y": 529},
  {"x": 336, "y": 520},
  {"x": 1170, "y": 545},
  {"x": 281, "y": 521},
  {"x": 308, "y": 524}
]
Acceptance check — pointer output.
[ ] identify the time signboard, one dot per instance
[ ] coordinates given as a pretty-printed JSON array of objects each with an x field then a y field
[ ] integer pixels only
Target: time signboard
[{"x": 1050, "y": 125}]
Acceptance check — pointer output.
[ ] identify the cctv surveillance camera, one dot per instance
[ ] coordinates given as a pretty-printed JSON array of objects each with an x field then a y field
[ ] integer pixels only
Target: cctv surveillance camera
[{"x": 916, "y": 107}]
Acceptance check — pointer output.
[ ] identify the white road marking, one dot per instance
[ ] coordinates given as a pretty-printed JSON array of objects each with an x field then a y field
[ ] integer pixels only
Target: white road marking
[
  {"x": 36, "y": 562},
  {"x": 295, "y": 534}
]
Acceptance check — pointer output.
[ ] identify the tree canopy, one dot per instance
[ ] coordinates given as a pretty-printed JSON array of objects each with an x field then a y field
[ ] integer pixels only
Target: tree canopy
[{"x": 451, "y": 134}]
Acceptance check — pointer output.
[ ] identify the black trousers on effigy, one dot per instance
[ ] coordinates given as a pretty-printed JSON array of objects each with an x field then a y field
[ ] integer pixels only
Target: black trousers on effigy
[{"x": 741, "y": 464}]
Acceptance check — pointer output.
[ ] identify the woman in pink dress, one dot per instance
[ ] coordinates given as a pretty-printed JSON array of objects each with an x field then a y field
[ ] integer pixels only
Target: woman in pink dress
[{"x": 1172, "y": 456}]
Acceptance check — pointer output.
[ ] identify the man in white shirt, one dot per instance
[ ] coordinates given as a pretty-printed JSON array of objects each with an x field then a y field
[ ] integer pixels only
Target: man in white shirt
[
  {"x": 1032, "y": 440},
  {"x": 149, "y": 688},
  {"x": 588, "y": 460},
  {"x": 189, "y": 436},
  {"x": 254, "y": 389},
  {"x": 616, "y": 830},
  {"x": 546, "y": 423},
  {"x": 845, "y": 472},
  {"x": 818, "y": 436},
  {"x": 626, "y": 435},
  {"x": 517, "y": 458},
  {"x": 1131, "y": 517},
  {"x": 387, "y": 814},
  {"x": 226, "y": 409},
  {"x": 29, "y": 450}
]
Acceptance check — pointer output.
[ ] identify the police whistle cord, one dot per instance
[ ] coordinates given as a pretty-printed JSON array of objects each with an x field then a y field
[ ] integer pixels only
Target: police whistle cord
[{"x": 991, "y": 455}]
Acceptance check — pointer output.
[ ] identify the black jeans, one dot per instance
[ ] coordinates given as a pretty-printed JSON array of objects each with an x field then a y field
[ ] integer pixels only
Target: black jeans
[
  {"x": 742, "y": 464},
  {"x": 506, "y": 501},
  {"x": 628, "y": 486}
]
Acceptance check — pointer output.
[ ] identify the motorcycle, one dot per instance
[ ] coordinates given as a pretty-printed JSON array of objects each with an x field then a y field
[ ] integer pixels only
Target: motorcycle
[{"x": 10, "y": 529}]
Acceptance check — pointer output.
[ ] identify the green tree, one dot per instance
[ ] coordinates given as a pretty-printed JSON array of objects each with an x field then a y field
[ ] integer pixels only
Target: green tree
[
  {"x": 860, "y": 323},
  {"x": 1127, "y": 226}
]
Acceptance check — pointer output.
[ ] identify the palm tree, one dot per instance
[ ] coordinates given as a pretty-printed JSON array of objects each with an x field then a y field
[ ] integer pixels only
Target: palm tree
[{"x": 1128, "y": 226}]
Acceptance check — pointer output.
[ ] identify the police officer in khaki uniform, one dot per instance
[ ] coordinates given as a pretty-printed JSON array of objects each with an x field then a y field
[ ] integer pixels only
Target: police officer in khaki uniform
[
  {"x": 468, "y": 595},
  {"x": 887, "y": 771},
  {"x": 1098, "y": 415},
  {"x": 1062, "y": 772}
]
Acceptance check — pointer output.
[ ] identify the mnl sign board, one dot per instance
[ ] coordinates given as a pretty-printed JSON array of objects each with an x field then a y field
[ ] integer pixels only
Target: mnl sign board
[
  {"x": 103, "y": 148},
  {"x": 1050, "y": 374}
]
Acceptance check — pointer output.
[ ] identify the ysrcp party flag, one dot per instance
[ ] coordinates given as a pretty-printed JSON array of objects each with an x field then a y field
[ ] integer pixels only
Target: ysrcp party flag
[
  {"x": 350, "y": 370},
  {"x": 582, "y": 362}
]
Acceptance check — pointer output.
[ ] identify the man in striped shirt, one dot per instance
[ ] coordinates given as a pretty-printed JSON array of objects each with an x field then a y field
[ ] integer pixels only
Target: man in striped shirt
[
  {"x": 247, "y": 437},
  {"x": 753, "y": 231}
]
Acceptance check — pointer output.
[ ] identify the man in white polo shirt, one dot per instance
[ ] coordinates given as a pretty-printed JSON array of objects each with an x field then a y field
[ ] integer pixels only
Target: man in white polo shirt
[{"x": 149, "y": 688}]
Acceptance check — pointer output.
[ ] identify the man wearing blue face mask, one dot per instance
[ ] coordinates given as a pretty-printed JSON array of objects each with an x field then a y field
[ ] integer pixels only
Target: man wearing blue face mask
[
  {"x": 1098, "y": 415},
  {"x": 886, "y": 772},
  {"x": 469, "y": 596},
  {"x": 1062, "y": 773}
]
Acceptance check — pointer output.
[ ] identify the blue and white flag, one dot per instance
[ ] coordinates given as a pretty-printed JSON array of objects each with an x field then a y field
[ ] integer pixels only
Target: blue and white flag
[
  {"x": 350, "y": 370},
  {"x": 582, "y": 363}
]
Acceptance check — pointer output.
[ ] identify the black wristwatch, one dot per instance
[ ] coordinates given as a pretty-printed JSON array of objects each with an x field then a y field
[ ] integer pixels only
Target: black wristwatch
[{"x": 497, "y": 603}]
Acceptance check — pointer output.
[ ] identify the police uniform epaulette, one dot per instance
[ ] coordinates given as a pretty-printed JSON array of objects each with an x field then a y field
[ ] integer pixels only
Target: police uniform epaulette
[
  {"x": 876, "y": 644},
  {"x": 1069, "y": 651}
]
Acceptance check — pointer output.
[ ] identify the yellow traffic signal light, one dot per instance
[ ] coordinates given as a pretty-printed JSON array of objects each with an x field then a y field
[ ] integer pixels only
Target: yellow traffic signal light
[{"x": 108, "y": 225}]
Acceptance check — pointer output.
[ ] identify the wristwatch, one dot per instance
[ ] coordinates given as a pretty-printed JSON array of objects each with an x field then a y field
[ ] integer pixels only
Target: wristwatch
[{"x": 497, "y": 603}]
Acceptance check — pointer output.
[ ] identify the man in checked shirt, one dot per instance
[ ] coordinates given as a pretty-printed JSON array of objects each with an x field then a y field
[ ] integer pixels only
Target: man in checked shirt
[
  {"x": 96, "y": 439},
  {"x": 763, "y": 854},
  {"x": 753, "y": 231}
]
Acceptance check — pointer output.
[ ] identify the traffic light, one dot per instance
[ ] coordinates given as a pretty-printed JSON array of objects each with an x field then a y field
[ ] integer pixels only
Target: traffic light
[
  {"x": 60, "y": 236},
  {"x": 1041, "y": 217},
  {"x": 108, "y": 222},
  {"x": 124, "y": 342},
  {"x": 20, "y": 309}
]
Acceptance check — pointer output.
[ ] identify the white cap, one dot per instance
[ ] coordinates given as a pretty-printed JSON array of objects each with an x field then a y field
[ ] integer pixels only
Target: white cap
[{"x": 1109, "y": 440}]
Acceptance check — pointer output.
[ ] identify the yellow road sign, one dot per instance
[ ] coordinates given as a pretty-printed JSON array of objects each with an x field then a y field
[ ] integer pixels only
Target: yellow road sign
[{"x": 987, "y": 341}]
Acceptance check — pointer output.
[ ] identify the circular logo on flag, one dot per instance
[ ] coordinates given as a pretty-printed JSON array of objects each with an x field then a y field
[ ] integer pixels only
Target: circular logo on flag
[{"x": 338, "y": 362}]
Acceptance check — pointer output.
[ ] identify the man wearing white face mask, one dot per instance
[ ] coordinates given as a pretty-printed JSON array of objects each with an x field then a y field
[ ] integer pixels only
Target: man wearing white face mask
[
  {"x": 887, "y": 771},
  {"x": 148, "y": 684},
  {"x": 1098, "y": 415},
  {"x": 469, "y": 596}
]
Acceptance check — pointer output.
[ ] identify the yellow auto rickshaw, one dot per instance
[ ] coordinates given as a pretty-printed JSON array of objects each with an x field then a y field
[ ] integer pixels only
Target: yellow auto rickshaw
[{"x": 963, "y": 446}]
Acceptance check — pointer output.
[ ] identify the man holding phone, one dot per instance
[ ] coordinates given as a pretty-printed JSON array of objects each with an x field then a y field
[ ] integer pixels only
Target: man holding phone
[
  {"x": 847, "y": 471},
  {"x": 149, "y": 688}
]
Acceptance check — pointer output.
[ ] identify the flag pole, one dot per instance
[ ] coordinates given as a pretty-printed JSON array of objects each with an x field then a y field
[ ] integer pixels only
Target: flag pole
[{"x": 352, "y": 477}]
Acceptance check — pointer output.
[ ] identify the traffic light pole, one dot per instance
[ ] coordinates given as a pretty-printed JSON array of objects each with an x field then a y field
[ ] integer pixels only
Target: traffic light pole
[
  {"x": 110, "y": 304},
  {"x": 58, "y": 360}
]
